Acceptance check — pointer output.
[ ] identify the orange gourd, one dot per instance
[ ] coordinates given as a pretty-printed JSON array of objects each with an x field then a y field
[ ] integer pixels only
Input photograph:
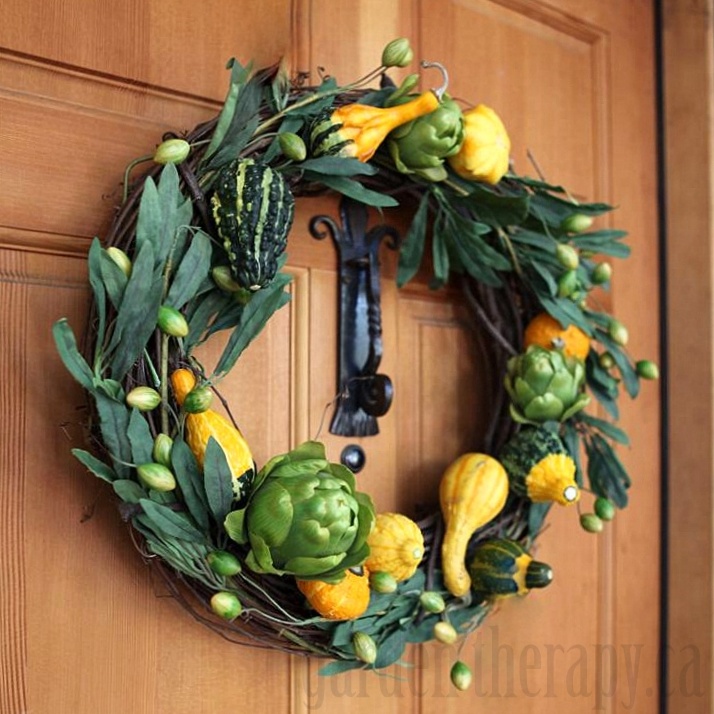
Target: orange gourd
[
  {"x": 344, "y": 600},
  {"x": 545, "y": 331}
]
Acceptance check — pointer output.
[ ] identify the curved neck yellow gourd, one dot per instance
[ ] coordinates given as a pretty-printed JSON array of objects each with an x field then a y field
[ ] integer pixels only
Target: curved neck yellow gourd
[{"x": 472, "y": 492}]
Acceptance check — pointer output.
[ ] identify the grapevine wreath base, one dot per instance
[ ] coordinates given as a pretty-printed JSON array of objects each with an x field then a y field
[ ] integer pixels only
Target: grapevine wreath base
[{"x": 289, "y": 555}]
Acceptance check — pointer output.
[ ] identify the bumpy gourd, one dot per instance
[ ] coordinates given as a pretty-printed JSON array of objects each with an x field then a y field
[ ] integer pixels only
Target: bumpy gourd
[
  {"x": 344, "y": 600},
  {"x": 502, "y": 567},
  {"x": 200, "y": 427},
  {"x": 539, "y": 467},
  {"x": 545, "y": 331},
  {"x": 472, "y": 492},
  {"x": 396, "y": 546},
  {"x": 253, "y": 209}
]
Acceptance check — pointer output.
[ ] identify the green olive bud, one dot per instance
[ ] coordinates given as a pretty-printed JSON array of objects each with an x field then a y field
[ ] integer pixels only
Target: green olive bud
[
  {"x": 223, "y": 563},
  {"x": 226, "y": 605},
  {"x": 143, "y": 398},
  {"x": 576, "y": 223},
  {"x": 198, "y": 400},
  {"x": 647, "y": 369},
  {"x": 602, "y": 272},
  {"x": 223, "y": 277},
  {"x": 618, "y": 332},
  {"x": 606, "y": 360},
  {"x": 432, "y": 601},
  {"x": 365, "y": 647},
  {"x": 121, "y": 259},
  {"x": 382, "y": 582},
  {"x": 292, "y": 146},
  {"x": 445, "y": 632},
  {"x": 161, "y": 453},
  {"x": 172, "y": 151},
  {"x": 398, "y": 53},
  {"x": 604, "y": 508},
  {"x": 591, "y": 523},
  {"x": 461, "y": 675},
  {"x": 567, "y": 256},
  {"x": 568, "y": 283},
  {"x": 156, "y": 477},
  {"x": 172, "y": 322}
]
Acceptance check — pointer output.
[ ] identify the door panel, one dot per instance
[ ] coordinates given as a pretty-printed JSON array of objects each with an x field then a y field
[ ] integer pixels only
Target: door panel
[{"x": 85, "y": 627}]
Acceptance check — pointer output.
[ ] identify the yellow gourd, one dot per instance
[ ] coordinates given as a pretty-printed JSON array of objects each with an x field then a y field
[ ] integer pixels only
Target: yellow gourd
[
  {"x": 472, "y": 492},
  {"x": 396, "y": 546},
  {"x": 199, "y": 428},
  {"x": 345, "y": 600},
  {"x": 485, "y": 152}
]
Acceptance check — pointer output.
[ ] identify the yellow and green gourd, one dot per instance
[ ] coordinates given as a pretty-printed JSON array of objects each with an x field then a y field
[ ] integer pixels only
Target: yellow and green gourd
[
  {"x": 539, "y": 468},
  {"x": 202, "y": 426},
  {"x": 502, "y": 567},
  {"x": 253, "y": 209},
  {"x": 472, "y": 492}
]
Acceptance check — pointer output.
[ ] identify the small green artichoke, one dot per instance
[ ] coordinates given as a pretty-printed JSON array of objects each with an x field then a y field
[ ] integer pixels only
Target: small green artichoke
[
  {"x": 304, "y": 518},
  {"x": 545, "y": 385},
  {"x": 421, "y": 145}
]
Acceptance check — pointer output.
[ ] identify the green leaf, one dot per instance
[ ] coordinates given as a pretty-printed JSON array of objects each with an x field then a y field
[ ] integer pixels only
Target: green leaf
[
  {"x": 139, "y": 435},
  {"x": 199, "y": 318},
  {"x": 190, "y": 481},
  {"x": 536, "y": 240},
  {"x": 627, "y": 370},
  {"x": 191, "y": 272},
  {"x": 606, "y": 428},
  {"x": 607, "y": 475},
  {"x": 536, "y": 516},
  {"x": 353, "y": 189},
  {"x": 439, "y": 252},
  {"x": 605, "y": 242},
  {"x": 94, "y": 262},
  {"x": 412, "y": 248},
  {"x": 69, "y": 354},
  {"x": 217, "y": 481},
  {"x": 234, "y": 526},
  {"x": 242, "y": 126},
  {"x": 391, "y": 649},
  {"x": 339, "y": 666},
  {"x": 254, "y": 317},
  {"x": 239, "y": 76},
  {"x": 113, "y": 278},
  {"x": 170, "y": 523},
  {"x": 114, "y": 424},
  {"x": 571, "y": 441},
  {"x": 97, "y": 467},
  {"x": 129, "y": 491},
  {"x": 137, "y": 317},
  {"x": 549, "y": 283},
  {"x": 338, "y": 166},
  {"x": 497, "y": 209}
]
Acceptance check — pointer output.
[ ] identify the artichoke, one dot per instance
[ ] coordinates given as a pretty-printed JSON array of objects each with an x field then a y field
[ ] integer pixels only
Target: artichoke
[
  {"x": 304, "y": 518},
  {"x": 545, "y": 385},
  {"x": 420, "y": 146}
]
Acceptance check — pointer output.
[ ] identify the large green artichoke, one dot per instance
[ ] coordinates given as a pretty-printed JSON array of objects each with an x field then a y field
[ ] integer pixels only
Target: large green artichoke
[
  {"x": 545, "y": 385},
  {"x": 304, "y": 518},
  {"x": 421, "y": 145}
]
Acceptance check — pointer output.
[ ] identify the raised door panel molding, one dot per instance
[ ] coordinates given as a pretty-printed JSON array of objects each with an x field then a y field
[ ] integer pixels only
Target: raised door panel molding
[{"x": 543, "y": 71}]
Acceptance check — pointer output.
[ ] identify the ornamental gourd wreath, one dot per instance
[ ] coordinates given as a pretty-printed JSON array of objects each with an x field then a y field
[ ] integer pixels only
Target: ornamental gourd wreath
[{"x": 289, "y": 554}]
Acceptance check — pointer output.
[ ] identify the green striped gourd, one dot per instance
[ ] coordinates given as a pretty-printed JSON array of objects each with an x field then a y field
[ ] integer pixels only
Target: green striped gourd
[
  {"x": 253, "y": 209},
  {"x": 502, "y": 567}
]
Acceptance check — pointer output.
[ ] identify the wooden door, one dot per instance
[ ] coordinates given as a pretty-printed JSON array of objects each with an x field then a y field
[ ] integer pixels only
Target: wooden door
[{"x": 83, "y": 626}]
